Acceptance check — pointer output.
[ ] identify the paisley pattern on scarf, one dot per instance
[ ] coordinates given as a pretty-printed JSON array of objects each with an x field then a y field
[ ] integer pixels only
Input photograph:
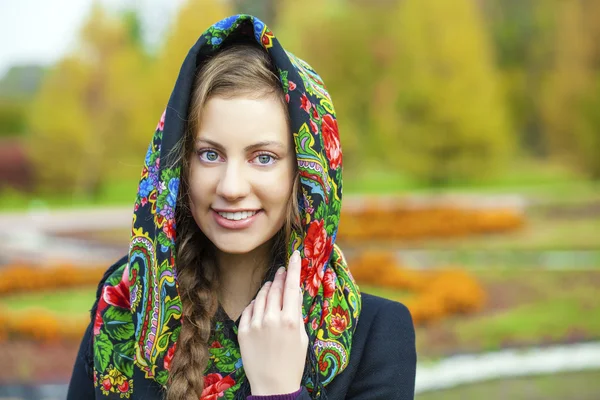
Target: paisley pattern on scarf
[{"x": 139, "y": 312}]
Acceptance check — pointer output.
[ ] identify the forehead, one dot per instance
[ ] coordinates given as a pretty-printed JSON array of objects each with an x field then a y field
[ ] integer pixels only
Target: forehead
[{"x": 242, "y": 120}]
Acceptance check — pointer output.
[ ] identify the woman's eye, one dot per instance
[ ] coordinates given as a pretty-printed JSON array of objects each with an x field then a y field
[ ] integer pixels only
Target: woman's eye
[
  {"x": 265, "y": 159},
  {"x": 209, "y": 155}
]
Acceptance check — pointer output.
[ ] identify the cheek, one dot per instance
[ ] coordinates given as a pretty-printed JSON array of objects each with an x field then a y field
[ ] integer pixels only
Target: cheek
[
  {"x": 201, "y": 185},
  {"x": 275, "y": 191}
]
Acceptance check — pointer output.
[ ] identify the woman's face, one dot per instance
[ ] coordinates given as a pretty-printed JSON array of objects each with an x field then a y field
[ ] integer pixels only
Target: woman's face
[{"x": 241, "y": 172}]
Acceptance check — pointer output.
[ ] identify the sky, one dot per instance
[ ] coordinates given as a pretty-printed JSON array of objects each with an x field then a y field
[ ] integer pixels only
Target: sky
[{"x": 42, "y": 31}]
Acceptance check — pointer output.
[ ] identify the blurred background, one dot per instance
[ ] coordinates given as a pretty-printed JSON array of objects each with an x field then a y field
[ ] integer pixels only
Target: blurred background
[{"x": 471, "y": 135}]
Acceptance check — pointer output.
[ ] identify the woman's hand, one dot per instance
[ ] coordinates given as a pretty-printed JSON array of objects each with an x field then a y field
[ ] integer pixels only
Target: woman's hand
[{"x": 271, "y": 334}]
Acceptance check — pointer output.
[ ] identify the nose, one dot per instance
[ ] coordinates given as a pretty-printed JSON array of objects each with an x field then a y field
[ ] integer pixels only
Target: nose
[{"x": 233, "y": 184}]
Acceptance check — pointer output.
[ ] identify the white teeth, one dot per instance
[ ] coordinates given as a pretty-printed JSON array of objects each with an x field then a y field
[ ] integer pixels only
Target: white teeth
[{"x": 236, "y": 216}]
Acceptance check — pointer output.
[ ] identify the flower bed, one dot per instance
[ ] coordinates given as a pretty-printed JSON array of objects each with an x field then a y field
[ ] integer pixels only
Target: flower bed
[
  {"x": 376, "y": 219},
  {"x": 40, "y": 326},
  {"x": 24, "y": 278},
  {"x": 438, "y": 293}
]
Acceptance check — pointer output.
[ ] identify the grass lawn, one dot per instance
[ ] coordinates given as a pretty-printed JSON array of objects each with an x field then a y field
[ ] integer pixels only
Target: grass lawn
[
  {"x": 68, "y": 302},
  {"x": 524, "y": 307},
  {"x": 572, "y": 386}
]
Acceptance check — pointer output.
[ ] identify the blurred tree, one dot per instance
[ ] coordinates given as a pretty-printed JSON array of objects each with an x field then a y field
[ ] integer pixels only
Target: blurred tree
[
  {"x": 193, "y": 18},
  {"x": 521, "y": 33},
  {"x": 59, "y": 125},
  {"x": 442, "y": 110},
  {"x": 263, "y": 9},
  {"x": 17, "y": 89},
  {"x": 348, "y": 44},
  {"x": 83, "y": 119},
  {"x": 572, "y": 92}
]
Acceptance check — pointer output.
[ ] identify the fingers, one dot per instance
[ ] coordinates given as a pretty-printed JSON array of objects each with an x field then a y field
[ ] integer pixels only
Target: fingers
[
  {"x": 259, "y": 305},
  {"x": 246, "y": 318},
  {"x": 292, "y": 294},
  {"x": 274, "y": 299}
]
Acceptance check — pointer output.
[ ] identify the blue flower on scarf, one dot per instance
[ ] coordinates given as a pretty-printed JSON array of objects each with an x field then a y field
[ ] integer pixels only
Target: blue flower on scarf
[
  {"x": 238, "y": 364},
  {"x": 226, "y": 23},
  {"x": 145, "y": 188},
  {"x": 258, "y": 28},
  {"x": 148, "y": 155},
  {"x": 173, "y": 190},
  {"x": 216, "y": 41}
]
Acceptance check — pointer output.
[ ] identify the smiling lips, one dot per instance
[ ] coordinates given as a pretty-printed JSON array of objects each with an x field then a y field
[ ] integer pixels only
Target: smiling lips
[{"x": 235, "y": 220}]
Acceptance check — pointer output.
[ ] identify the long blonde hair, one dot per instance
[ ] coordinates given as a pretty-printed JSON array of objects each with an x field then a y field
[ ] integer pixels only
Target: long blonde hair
[{"x": 239, "y": 70}]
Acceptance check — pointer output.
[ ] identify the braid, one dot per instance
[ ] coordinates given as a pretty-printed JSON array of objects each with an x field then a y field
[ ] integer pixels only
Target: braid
[{"x": 197, "y": 278}]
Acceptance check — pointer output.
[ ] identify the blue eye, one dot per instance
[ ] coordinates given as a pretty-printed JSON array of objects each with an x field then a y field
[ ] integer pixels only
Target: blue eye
[
  {"x": 208, "y": 155},
  {"x": 264, "y": 159}
]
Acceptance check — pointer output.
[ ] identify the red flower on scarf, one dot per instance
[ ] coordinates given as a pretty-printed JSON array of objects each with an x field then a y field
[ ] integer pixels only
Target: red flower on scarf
[
  {"x": 331, "y": 139},
  {"x": 291, "y": 85},
  {"x": 169, "y": 357},
  {"x": 215, "y": 345},
  {"x": 313, "y": 126},
  {"x": 117, "y": 296},
  {"x": 339, "y": 320},
  {"x": 317, "y": 248},
  {"x": 161, "y": 123},
  {"x": 169, "y": 228},
  {"x": 328, "y": 283},
  {"x": 325, "y": 311},
  {"x": 306, "y": 105},
  {"x": 106, "y": 384},
  {"x": 215, "y": 385},
  {"x": 124, "y": 387},
  {"x": 315, "y": 113}
]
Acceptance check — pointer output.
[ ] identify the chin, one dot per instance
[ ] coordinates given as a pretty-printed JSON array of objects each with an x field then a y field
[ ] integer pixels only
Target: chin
[{"x": 238, "y": 244}]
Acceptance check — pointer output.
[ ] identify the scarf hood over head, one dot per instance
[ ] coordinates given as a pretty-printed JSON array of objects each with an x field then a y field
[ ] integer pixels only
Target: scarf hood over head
[{"x": 139, "y": 312}]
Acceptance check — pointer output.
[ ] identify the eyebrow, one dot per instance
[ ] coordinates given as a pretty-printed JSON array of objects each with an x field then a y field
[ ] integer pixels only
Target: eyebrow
[{"x": 251, "y": 147}]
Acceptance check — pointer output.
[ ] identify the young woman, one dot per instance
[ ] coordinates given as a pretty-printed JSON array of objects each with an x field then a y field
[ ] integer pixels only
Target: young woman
[{"x": 233, "y": 286}]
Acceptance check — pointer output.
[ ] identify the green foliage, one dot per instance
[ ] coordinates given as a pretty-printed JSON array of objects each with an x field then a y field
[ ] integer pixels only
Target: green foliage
[
  {"x": 412, "y": 88},
  {"x": 521, "y": 33},
  {"x": 587, "y": 132},
  {"x": 89, "y": 102},
  {"x": 571, "y": 97},
  {"x": 193, "y": 18},
  {"x": 347, "y": 44},
  {"x": 13, "y": 118},
  {"x": 433, "y": 92},
  {"x": 443, "y": 112}
]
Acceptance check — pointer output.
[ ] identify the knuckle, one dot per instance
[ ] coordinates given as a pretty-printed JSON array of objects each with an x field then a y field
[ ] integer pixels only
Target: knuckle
[
  {"x": 289, "y": 322},
  {"x": 255, "y": 325},
  {"x": 270, "y": 321}
]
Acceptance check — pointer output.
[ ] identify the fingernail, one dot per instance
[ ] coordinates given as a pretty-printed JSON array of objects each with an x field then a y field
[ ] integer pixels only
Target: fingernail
[
  {"x": 295, "y": 256},
  {"x": 281, "y": 270}
]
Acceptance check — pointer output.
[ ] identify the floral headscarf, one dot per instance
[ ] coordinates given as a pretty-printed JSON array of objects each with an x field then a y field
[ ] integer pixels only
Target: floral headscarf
[{"x": 139, "y": 312}]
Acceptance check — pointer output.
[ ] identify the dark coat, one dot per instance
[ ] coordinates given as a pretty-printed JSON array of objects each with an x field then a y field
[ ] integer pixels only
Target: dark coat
[{"x": 382, "y": 362}]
